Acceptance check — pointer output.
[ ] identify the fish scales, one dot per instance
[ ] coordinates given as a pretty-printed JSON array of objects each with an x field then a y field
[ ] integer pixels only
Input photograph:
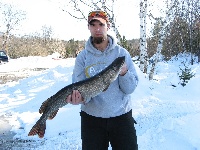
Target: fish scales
[{"x": 88, "y": 88}]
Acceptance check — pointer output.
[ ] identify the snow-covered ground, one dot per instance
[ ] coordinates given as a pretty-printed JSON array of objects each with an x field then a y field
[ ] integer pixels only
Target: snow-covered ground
[{"x": 167, "y": 114}]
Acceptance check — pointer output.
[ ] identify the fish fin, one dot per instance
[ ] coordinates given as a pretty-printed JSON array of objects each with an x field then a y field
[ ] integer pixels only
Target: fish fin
[
  {"x": 38, "y": 129},
  {"x": 53, "y": 114},
  {"x": 43, "y": 106}
]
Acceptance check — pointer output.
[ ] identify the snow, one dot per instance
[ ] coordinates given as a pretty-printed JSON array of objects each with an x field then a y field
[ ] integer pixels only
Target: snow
[{"x": 167, "y": 114}]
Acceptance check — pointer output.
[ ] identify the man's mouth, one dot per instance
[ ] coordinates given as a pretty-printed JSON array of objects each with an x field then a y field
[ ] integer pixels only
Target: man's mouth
[{"x": 98, "y": 34}]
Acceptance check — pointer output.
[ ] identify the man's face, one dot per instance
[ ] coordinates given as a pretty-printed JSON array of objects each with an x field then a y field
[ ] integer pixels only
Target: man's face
[{"x": 98, "y": 31}]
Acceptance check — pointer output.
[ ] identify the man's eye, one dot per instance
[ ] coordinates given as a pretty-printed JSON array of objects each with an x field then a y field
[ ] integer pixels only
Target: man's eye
[{"x": 101, "y": 24}]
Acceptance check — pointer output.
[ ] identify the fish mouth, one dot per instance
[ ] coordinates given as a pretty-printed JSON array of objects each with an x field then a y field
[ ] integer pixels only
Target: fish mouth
[{"x": 118, "y": 68}]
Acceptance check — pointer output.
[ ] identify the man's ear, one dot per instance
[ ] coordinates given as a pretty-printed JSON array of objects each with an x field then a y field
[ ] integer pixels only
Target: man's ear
[{"x": 108, "y": 26}]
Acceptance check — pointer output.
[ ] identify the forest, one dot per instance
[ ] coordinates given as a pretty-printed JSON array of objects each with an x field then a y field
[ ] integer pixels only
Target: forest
[{"x": 176, "y": 31}]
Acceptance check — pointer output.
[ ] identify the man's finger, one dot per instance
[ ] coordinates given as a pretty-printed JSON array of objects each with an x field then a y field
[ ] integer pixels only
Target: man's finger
[
  {"x": 77, "y": 95},
  {"x": 69, "y": 99},
  {"x": 73, "y": 96}
]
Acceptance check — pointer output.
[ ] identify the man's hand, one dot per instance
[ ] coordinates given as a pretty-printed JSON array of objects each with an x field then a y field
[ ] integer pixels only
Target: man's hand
[
  {"x": 75, "y": 98},
  {"x": 123, "y": 70}
]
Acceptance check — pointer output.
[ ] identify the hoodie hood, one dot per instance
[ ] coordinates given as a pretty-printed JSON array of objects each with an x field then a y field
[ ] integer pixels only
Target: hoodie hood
[{"x": 89, "y": 47}]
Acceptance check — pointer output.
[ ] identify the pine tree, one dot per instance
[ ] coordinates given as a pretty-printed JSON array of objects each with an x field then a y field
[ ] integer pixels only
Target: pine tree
[{"x": 185, "y": 75}]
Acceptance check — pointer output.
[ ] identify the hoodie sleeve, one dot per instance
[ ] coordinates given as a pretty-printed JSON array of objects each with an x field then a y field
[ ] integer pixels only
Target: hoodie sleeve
[
  {"x": 79, "y": 72},
  {"x": 129, "y": 81}
]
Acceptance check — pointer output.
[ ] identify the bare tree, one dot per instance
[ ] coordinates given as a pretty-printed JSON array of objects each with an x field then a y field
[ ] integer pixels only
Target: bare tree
[
  {"x": 143, "y": 40},
  {"x": 163, "y": 22},
  {"x": 177, "y": 10},
  {"x": 193, "y": 14},
  {"x": 78, "y": 8},
  {"x": 188, "y": 10},
  {"x": 11, "y": 19},
  {"x": 46, "y": 33},
  {"x": 161, "y": 36}
]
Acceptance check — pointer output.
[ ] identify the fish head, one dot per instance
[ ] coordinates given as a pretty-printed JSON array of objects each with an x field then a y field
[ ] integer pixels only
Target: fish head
[
  {"x": 118, "y": 63},
  {"x": 113, "y": 70}
]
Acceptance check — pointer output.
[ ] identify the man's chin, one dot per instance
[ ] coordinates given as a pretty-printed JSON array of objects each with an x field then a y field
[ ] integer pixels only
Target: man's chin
[{"x": 98, "y": 40}]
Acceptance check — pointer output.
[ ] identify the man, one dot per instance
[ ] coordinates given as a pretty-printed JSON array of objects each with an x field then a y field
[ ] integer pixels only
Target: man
[{"x": 108, "y": 116}]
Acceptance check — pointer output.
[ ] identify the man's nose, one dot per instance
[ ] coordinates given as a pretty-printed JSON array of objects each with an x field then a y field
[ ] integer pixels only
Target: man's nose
[{"x": 97, "y": 29}]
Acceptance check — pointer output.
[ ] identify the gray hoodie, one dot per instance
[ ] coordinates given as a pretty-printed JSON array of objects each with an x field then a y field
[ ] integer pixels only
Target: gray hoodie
[{"x": 116, "y": 100}]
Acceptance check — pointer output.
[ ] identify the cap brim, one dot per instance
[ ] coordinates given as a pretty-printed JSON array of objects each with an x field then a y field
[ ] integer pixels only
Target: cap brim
[{"x": 99, "y": 19}]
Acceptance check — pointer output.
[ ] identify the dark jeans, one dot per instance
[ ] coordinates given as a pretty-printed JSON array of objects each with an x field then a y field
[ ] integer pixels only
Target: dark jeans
[{"x": 97, "y": 132}]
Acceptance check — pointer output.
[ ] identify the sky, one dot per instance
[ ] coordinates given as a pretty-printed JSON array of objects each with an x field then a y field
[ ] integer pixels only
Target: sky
[
  {"x": 167, "y": 114},
  {"x": 48, "y": 13}
]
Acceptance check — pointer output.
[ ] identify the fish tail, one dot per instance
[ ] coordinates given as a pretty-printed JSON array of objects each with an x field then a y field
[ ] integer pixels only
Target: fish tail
[
  {"x": 39, "y": 129},
  {"x": 53, "y": 114}
]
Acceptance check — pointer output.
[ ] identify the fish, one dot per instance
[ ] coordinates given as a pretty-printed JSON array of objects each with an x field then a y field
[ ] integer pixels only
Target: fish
[{"x": 88, "y": 88}]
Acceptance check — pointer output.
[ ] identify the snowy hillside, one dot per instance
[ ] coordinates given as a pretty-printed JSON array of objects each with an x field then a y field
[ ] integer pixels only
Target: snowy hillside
[{"x": 167, "y": 114}]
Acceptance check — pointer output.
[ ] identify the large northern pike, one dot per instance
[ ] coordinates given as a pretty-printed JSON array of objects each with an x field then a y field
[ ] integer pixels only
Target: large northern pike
[{"x": 88, "y": 88}]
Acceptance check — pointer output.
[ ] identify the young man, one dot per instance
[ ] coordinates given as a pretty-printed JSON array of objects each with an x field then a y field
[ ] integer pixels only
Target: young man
[{"x": 108, "y": 116}]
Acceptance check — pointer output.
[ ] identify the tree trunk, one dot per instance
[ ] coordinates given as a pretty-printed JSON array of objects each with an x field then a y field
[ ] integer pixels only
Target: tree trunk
[
  {"x": 143, "y": 41},
  {"x": 5, "y": 40},
  {"x": 158, "y": 52},
  {"x": 164, "y": 24}
]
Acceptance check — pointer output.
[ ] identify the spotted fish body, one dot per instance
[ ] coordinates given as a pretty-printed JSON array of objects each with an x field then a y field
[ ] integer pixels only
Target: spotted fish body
[{"x": 88, "y": 88}]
